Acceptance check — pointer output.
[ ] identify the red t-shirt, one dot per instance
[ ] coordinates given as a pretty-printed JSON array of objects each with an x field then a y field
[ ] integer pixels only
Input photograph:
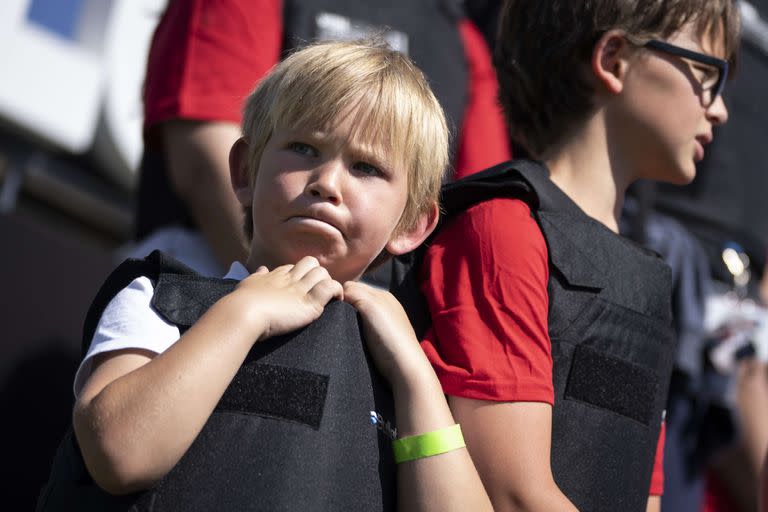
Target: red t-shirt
[
  {"x": 486, "y": 289},
  {"x": 487, "y": 293},
  {"x": 207, "y": 55},
  {"x": 483, "y": 139}
]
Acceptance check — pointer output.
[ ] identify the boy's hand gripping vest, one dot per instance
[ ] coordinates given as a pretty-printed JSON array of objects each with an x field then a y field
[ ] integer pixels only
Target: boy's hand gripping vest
[{"x": 292, "y": 432}]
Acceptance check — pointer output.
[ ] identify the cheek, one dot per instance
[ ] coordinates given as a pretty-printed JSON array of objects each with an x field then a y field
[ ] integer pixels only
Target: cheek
[
  {"x": 394, "y": 213},
  {"x": 668, "y": 113},
  {"x": 377, "y": 211},
  {"x": 273, "y": 191},
  {"x": 269, "y": 206}
]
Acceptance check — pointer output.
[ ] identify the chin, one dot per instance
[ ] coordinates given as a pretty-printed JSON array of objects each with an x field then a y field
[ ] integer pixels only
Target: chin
[
  {"x": 681, "y": 179},
  {"x": 678, "y": 174},
  {"x": 687, "y": 174}
]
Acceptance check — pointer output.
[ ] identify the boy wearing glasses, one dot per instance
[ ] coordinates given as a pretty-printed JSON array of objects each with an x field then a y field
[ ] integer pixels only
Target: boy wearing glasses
[{"x": 550, "y": 333}]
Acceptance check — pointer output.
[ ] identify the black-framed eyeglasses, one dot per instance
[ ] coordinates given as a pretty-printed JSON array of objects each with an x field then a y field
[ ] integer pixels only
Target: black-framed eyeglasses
[{"x": 715, "y": 74}]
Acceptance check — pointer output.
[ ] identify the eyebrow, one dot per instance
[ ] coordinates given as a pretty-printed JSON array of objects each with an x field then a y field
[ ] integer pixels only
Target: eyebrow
[
  {"x": 374, "y": 154},
  {"x": 377, "y": 159}
]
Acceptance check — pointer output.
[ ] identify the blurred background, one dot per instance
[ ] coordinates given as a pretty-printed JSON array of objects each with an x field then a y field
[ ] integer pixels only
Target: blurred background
[{"x": 70, "y": 141}]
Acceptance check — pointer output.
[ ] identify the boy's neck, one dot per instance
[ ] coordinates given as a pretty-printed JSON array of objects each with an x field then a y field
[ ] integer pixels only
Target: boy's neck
[
  {"x": 594, "y": 178},
  {"x": 256, "y": 259}
]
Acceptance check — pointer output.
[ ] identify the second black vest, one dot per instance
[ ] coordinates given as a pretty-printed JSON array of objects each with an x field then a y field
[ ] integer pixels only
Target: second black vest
[{"x": 611, "y": 334}]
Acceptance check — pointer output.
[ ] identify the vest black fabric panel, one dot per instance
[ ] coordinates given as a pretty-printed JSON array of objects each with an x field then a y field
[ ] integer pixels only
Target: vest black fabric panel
[
  {"x": 292, "y": 431},
  {"x": 611, "y": 334}
]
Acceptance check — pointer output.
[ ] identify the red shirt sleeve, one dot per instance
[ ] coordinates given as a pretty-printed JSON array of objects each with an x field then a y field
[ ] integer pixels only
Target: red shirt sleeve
[
  {"x": 657, "y": 478},
  {"x": 485, "y": 280},
  {"x": 483, "y": 138},
  {"x": 207, "y": 55}
]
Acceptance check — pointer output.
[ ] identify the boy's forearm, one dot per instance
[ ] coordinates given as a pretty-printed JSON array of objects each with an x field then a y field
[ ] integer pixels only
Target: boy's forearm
[
  {"x": 444, "y": 482},
  {"x": 448, "y": 481},
  {"x": 510, "y": 444},
  {"x": 137, "y": 427},
  {"x": 542, "y": 500},
  {"x": 420, "y": 405}
]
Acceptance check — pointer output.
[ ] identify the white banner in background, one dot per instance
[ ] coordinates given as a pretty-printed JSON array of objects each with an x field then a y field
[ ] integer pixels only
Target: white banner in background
[{"x": 81, "y": 94}]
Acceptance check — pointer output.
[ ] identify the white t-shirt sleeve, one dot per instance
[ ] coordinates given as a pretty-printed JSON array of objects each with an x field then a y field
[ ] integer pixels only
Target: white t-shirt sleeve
[{"x": 128, "y": 322}]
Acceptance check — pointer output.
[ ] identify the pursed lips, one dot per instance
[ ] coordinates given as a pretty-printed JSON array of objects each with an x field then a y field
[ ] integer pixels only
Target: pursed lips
[
  {"x": 325, "y": 219},
  {"x": 704, "y": 139},
  {"x": 701, "y": 142}
]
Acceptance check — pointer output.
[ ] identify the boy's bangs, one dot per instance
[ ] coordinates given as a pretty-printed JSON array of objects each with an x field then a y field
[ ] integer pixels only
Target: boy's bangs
[{"x": 381, "y": 128}]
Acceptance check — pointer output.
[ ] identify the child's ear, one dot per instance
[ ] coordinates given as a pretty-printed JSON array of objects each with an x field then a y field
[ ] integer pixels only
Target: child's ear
[
  {"x": 410, "y": 239},
  {"x": 238, "y": 172},
  {"x": 610, "y": 60}
]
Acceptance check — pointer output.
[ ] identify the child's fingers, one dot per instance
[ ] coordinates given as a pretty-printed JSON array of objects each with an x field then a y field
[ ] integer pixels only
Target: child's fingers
[
  {"x": 262, "y": 270},
  {"x": 355, "y": 293},
  {"x": 360, "y": 295},
  {"x": 325, "y": 290},
  {"x": 312, "y": 277},
  {"x": 283, "y": 269},
  {"x": 303, "y": 266}
]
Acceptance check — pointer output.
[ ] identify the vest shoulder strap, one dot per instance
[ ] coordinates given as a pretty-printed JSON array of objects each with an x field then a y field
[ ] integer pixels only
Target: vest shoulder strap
[
  {"x": 507, "y": 179},
  {"x": 151, "y": 266}
]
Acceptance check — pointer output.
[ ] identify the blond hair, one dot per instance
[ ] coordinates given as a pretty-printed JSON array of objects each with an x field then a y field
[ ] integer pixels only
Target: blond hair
[{"x": 396, "y": 110}]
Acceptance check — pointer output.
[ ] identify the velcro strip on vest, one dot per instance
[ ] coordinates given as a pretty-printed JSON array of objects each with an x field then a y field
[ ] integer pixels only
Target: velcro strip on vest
[
  {"x": 183, "y": 299},
  {"x": 279, "y": 392},
  {"x": 612, "y": 383}
]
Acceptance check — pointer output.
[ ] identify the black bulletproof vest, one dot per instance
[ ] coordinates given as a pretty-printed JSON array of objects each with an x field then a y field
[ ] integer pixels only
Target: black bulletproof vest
[
  {"x": 611, "y": 333},
  {"x": 291, "y": 432},
  {"x": 427, "y": 30}
]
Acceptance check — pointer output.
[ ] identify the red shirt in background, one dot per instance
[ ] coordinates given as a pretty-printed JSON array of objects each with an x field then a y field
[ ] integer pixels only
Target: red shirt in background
[{"x": 207, "y": 56}]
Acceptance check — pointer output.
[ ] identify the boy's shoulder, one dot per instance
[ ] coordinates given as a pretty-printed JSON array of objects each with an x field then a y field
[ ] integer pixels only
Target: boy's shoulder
[
  {"x": 173, "y": 282},
  {"x": 527, "y": 180},
  {"x": 512, "y": 179}
]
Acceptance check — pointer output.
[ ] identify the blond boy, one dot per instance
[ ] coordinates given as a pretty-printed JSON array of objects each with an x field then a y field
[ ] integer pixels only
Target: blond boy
[{"x": 342, "y": 156}]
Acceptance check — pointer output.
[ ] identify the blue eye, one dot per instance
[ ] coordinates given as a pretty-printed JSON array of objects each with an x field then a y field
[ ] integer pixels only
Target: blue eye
[
  {"x": 301, "y": 148},
  {"x": 368, "y": 169}
]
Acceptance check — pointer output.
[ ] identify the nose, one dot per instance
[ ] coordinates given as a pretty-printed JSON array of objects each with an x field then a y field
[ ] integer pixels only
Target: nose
[
  {"x": 325, "y": 181},
  {"x": 717, "y": 113}
]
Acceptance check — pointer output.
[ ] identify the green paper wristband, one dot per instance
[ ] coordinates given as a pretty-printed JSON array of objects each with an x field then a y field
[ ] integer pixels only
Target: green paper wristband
[{"x": 428, "y": 444}]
